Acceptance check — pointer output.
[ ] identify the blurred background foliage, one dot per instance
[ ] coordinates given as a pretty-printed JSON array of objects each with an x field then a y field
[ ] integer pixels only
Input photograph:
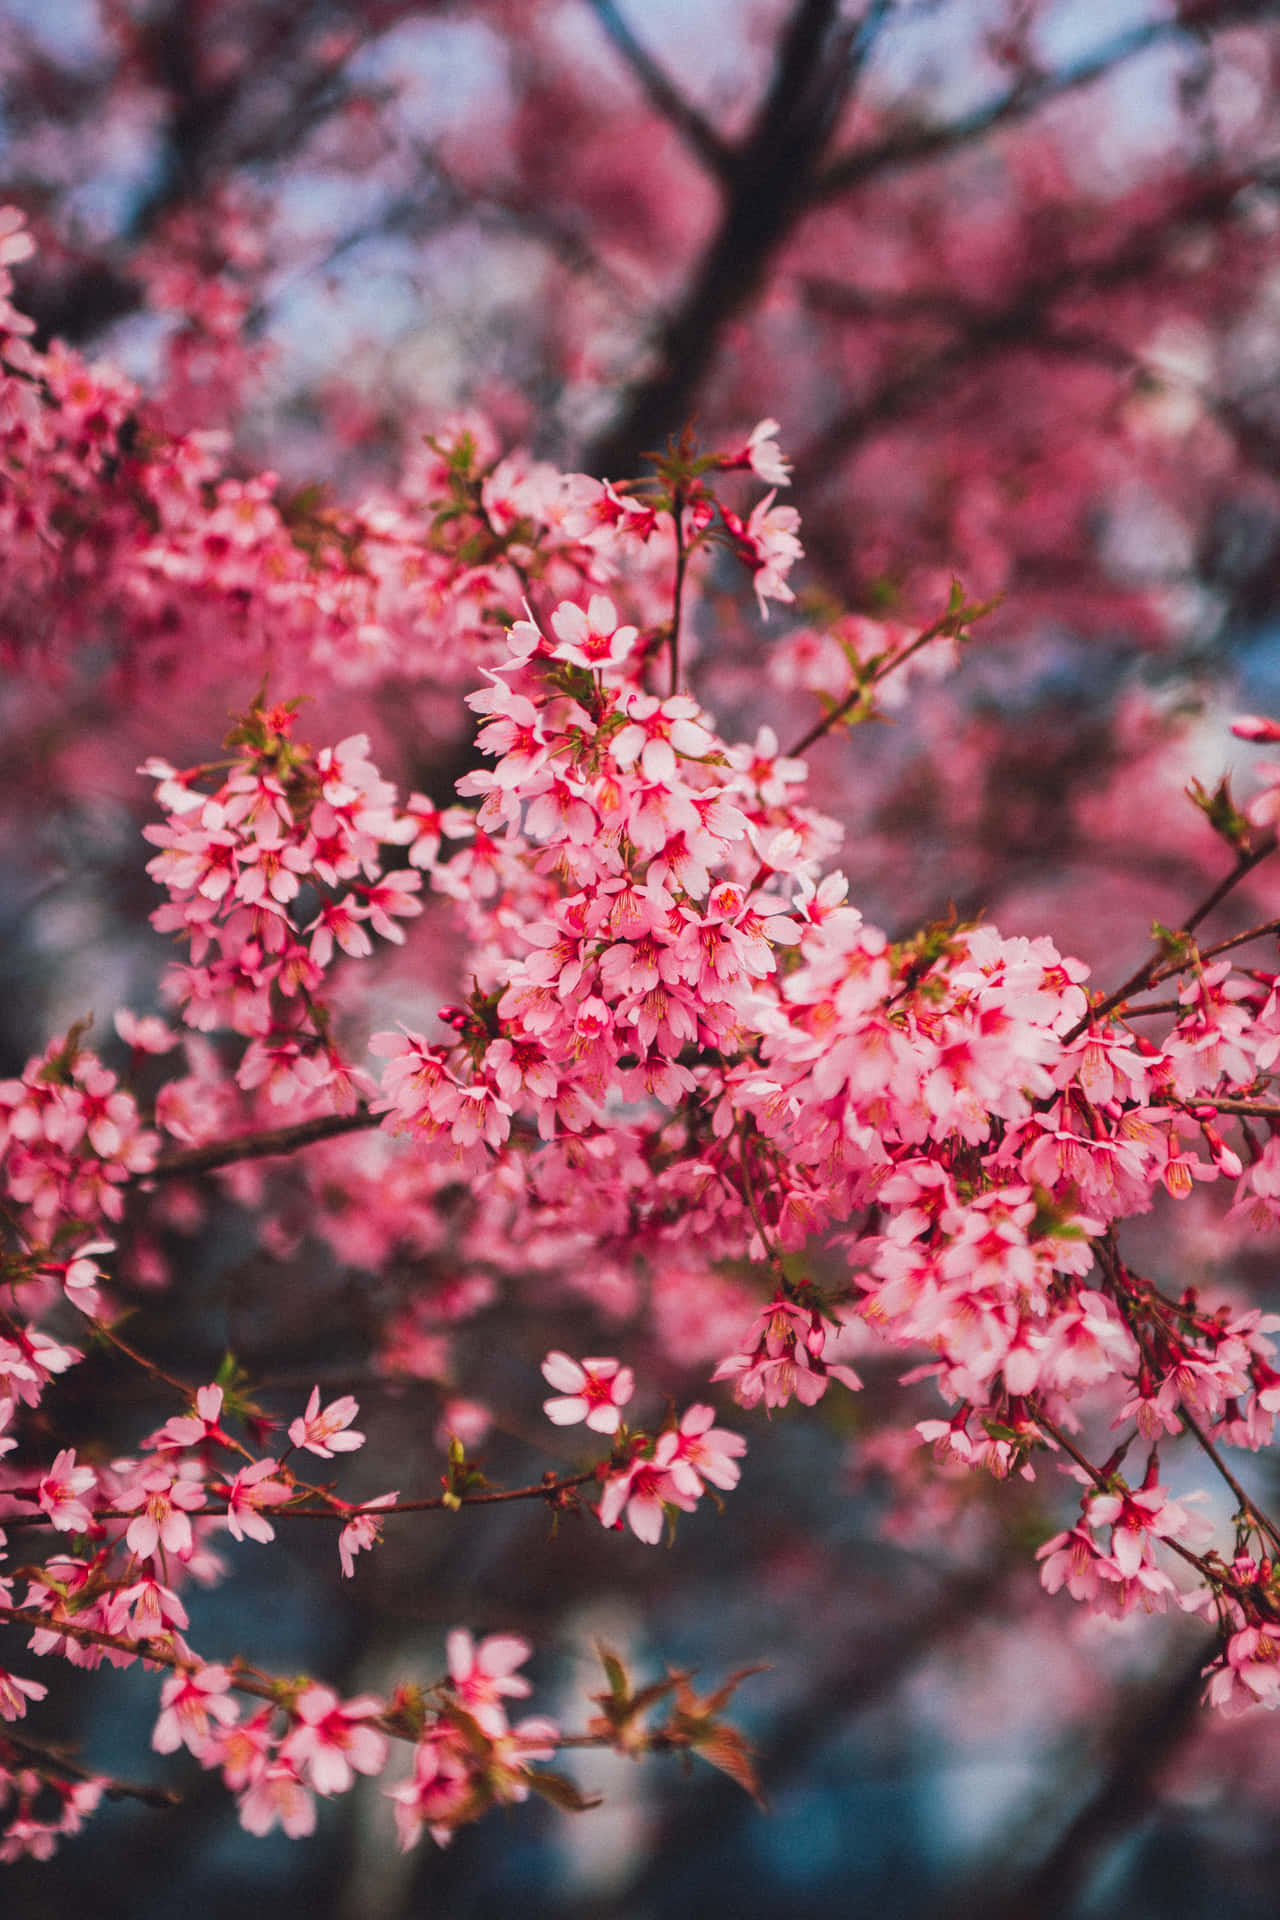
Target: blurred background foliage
[{"x": 1008, "y": 273}]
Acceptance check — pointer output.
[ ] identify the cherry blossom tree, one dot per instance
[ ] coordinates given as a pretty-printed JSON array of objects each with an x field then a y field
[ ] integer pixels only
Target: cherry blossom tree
[{"x": 497, "y": 1000}]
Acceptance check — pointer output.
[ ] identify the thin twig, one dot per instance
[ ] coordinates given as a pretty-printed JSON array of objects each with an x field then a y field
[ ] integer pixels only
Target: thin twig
[
  {"x": 148, "y": 1366},
  {"x": 1126, "y": 1286},
  {"x": 1216, "y": 1576},
  {"x": 1144, "y": 976},
  {"x": 1246, "y": 863},
  {"x": 1248, "y": 1507},
  {"x": 748, "y": 1188},
  {"x": 677, "y": 598},
  {"x": 45, "y": 1757},
  {"x": 160, "y": 1651},
  {"x": 546, "y": 1489},
  {"x": 851, "y": 699},
  {"x": 1023, "y": 98},
  {"x": 773, "y": 169},
  {"x": 1225, "y": 946}
]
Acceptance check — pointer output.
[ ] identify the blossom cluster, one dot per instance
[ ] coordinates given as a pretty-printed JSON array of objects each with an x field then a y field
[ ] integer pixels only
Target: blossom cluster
[
  {"x": 201, "y": 569},
  {"x": 650, "y": 1476},
  {"x": 71, "y": 1139},
  {"x": 268, "y": 877},
  {"x": 687, "y": 1084},
  {"x": 306, "y": 1742}
]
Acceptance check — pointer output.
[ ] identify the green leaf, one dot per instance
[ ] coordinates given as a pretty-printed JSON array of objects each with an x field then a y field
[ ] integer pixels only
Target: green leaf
[
  {"x": 614, "y": 1672},
  {"x": 1220, "y": 810},
  {"x": 228, "y": 1374},
  {"x": 562, "y": 1792}
]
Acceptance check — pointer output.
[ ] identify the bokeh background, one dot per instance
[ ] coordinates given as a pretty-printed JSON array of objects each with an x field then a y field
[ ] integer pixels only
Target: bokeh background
[{"x": 1008, "y": 274}]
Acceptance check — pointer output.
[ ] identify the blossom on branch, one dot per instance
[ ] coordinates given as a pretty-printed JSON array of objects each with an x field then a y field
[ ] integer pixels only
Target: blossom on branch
[
  {"x": 592, "y": 1390},
  {"x": 327, "y": 1431}
]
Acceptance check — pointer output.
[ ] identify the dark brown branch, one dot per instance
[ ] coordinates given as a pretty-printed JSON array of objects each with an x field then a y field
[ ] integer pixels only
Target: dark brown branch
[
  {"x": 1143, "y": 1737},
  {"x": 769, "y": 185},
  {"x": 1246, "y": 863},
  {"x": 48, "y": 1760},
  {"x": 158, "y": 1649},
  {"x": 1240, "y": 939},
  {"x": 1248, "y": 1508},
  {"x": 257, "y": 1146},
  {"x": 1025, "y": 97},
  {"x": 977, "y": 333},
  {"x": 205, "y": 137},
  {"x": 677, "y": 596},
  {"x": 549, "y": 1488},
  {"x": 663, "y": 95}
]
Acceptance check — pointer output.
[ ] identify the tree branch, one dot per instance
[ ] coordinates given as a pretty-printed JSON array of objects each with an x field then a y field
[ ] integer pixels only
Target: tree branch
[
  {"x": 256, "y": 1146},
  {"x": 1143, "y": 976},
  {"x": 549, "y": 1488},
  {"x": 855, "y": 697},
  {"x": 45, "y": 1758},
  {"x": 770, "y": 183},
  {"x": 1029, "y": 93},
  {"x": 1140, "y": 1745},
  {"x": 663, "y": 95},
  {"x": 199, "y": 141},
  {"x": 978, "y": 332}
]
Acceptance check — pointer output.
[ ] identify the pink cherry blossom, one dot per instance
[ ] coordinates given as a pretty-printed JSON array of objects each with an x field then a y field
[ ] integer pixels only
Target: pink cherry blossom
[
  {"x": 278, "y": 1797},
  {"x": 483, "y": 1676},
  {"x": 1249, "y": 1675},
  {"x": 596, "y": 638},
  {"x": 165, "y": 1503},
  {"x": 641, "y": 1492},
  {"x": 361, "y": 1532},
  {"x": 331, "y": 1741},
  {"x": 147, "y": 1609},
  {"x": 698, "y": 1453},
  {"x": 439, "y": 1791},
  {"x": 146, "y": 1033},
  {"x": 60, "y": 1489},
  {"x": 771, "y": 546},
  {"x": 762, "y": 456},
  {"x": 190, "y": 1702},
  {"x": 253, "y": 1488},
  {"x": 15, "y": 1693},
  {"x": 193, "y": 1430},
  {"x": 328, "y": 1431},
  {"x": 592, "y": 1390}
]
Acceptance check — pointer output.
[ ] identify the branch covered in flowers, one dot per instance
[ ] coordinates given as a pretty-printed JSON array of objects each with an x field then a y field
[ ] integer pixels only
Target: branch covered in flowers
[
  {"x": 682, "y": 1063},
  {"x": 304, "y": 1742}
]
